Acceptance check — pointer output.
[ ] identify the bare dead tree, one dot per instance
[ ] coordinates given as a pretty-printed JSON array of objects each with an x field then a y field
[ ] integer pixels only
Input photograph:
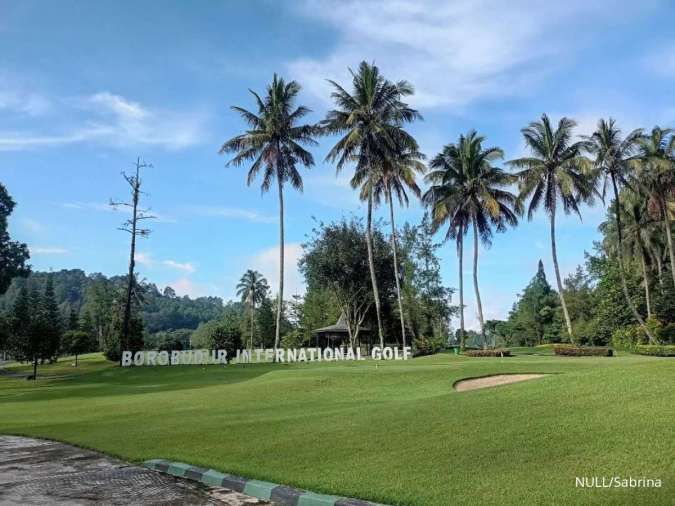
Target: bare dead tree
[{"x": 132, "y": 226}]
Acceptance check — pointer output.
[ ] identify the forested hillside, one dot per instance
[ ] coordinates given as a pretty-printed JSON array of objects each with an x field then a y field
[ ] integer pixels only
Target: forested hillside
[{"x": 80, "y": 293}]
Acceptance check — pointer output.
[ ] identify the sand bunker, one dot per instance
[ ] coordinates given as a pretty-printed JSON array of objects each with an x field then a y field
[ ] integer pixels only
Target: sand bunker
[{"x": 493, "y": 381}]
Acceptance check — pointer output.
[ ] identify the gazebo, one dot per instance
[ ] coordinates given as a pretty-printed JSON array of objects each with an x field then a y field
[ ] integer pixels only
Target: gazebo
[{"x": 336, "y": 335}]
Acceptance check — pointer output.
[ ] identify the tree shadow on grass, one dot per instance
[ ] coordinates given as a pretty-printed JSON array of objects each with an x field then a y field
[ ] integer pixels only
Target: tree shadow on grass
[{"x": 133, "y": 380}]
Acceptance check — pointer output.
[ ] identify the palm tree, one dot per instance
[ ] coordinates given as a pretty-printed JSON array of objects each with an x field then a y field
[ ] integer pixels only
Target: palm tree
[
  {"x": 556, "y": 171},
  {"x": 274, "y": 143},
  {"x": 395, "y": 175},
  {"x": 369, "y": 120},
  {"x": 656, "y": 170},
  {"x": 612, "y": 160},
  {"x": 637, "y": 232},
  {"x": 468, "y": 190},
  {"x": 252, "y": 289}
]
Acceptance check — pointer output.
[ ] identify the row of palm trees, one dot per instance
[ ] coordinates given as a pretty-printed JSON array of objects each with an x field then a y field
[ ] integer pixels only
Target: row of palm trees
[{"x": 466, "y": 191}]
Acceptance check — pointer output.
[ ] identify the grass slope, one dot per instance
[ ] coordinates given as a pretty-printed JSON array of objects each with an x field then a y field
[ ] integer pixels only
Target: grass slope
[{"x": 393, "y": 432}]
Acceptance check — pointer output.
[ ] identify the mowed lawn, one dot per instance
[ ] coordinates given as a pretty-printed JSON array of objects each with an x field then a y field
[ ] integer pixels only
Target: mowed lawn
[{"x": 393, "y": 432}]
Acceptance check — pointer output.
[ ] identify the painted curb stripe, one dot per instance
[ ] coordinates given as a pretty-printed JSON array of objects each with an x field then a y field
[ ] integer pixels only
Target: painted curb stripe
[{"x": 265, "y": 490}]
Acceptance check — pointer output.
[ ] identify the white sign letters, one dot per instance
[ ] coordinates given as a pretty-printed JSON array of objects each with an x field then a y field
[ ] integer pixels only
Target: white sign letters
[{"x": 204, "y": 357}]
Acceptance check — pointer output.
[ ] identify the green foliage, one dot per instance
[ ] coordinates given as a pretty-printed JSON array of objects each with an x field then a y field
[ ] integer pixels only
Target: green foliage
[
  {"x": 335, "y": 260},
  {"x": 582, "y": 351},
  {"x": 659, "y": 350},
  {"x": 76, "y": 342},
  {"x": 14, "y": 254},
  {"x": 533, "y": 319},
  {"x": 293, "y": 339},
  {"x": 167, "y": 340},
  {"x": 495, "y": 352},
  {"x": 223, "y": 334},
  {"x": 428, "y": 345},
  {"x": 426, "y": 301}
]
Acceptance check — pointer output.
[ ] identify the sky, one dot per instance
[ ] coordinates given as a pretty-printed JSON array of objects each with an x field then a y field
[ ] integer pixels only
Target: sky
[{"x": 87, "y": 87}]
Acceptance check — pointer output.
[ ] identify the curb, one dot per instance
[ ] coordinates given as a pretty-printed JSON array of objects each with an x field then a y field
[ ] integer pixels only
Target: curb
[{"x": 265, "y": 490}]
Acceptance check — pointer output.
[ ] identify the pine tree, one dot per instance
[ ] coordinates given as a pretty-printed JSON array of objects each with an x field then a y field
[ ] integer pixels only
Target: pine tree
[
  {"x": 51, "y": 322},
  {"x": 25, "y": 341},
  {"x": 533, "y": 317}
]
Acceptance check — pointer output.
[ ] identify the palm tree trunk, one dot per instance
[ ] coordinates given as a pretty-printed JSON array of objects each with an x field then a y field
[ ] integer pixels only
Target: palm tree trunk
[
  {"x": 659, "y": 267},
  {"x": 371, "y": 264},
  {"x": 460, "y": 254},
  {"x": 280, "y": 302},
  {"x": 398, "y": 283},
  {"x": 252, "y": 322},
  {"x": 622, "y": 274},
  {"x": 475, "y": 283},
  {"x": 669, "y": 238},
  {"x": 645, "y": 278},
  {"x": 554, "y": 253}
]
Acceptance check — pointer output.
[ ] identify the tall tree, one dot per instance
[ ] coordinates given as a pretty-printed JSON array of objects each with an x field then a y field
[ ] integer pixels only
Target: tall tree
[
  {"x": 467, "y": 190},
  {"x": 395, "y": 175},
  {"x": 51, "y": 321},
  {"x": 532, "y": 316},
  {"x": 26, "y": 341},
  {"x": 13, "y": 255},
  {"x": 252, "y": 289},
  {"x": 274, "y": 143},
  {"x": 656, "y": 174},
  {"x": 555, "y": 172},
  {"x": 134, "y": 227},
  {"x": 369, "y": 120},
  {"x": 612, "y": 155}
]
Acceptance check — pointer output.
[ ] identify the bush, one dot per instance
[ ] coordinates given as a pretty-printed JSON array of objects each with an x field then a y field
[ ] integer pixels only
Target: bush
[
  {"x": 497, "y": 352},
  {"x": 427, "y": 345},
  {"x": 583, "y": 351},
  {"x": 656, "y": 350}
]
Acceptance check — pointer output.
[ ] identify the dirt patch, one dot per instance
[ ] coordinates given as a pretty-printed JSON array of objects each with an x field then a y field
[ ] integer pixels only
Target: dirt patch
[{"x": 493, "y": 381}]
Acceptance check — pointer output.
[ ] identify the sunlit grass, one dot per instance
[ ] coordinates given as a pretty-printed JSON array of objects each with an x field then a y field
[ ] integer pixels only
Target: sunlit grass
[{"x": 393, "y": 432}]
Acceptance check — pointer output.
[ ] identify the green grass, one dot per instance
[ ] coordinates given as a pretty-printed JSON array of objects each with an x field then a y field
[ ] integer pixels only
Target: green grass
[{"x": 393, "y": 432}]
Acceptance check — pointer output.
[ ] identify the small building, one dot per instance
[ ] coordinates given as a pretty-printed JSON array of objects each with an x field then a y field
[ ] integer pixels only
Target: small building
[{"x": 337, "y": 335}]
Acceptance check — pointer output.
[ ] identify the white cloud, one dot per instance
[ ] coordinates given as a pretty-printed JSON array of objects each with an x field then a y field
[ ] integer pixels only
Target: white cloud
[
  {"x": 235, "y": 214},
  {"x": 186, "y": 267},
  {"x": 267, "y": 262},
  {"x": 23, "y": 102},
  {"x": 186, "y": 286},
  {"x": 48, "y": 250},
  {"x": 108, "y": 119},
  {"x": 144, "y": 259},
  {"x": 32, "y": 225},
  {"x": 454, "y": 52}
]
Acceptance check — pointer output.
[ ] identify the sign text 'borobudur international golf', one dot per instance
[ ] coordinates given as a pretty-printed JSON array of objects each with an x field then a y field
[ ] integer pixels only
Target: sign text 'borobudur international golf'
[{"x": 204, "y": 357}]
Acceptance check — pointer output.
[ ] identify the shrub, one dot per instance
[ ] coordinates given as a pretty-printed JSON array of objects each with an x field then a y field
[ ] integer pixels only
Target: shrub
[
  {"x": 657, "y": 350},
  {"x": 427, "y": 345},
  {"x": 583, "y": 351},
  {"x": 497, "y": 352}
]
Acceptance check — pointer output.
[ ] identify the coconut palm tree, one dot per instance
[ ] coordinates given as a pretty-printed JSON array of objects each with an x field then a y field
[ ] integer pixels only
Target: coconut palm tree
[
  {"x": 369, "y": 120},
  {"x": 467, "y": 190},
  {"x": 637, "y": 233},
  {"x": 393, "y": 177},
  {"x": 252, "y": 290},
  {"x": 556, "y": 172},
  {"x": 655, "y": 162},
  {"x": 612, "y": 161},
  {"x": 274, "y": 144}
]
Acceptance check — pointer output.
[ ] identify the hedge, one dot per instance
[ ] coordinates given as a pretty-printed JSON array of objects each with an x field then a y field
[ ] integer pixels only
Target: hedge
[
  {"x": 497, "y": 352},
  {"x": 583, "y": 351},
  {"x": 657, "y": 350}
]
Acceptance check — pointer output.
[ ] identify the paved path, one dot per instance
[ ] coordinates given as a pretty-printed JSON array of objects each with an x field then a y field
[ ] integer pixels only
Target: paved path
[{"x": 34, "y": 471}]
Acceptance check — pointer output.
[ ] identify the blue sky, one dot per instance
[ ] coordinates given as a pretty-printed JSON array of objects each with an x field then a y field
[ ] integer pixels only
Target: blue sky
[{"x": 85, "y": 87}]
